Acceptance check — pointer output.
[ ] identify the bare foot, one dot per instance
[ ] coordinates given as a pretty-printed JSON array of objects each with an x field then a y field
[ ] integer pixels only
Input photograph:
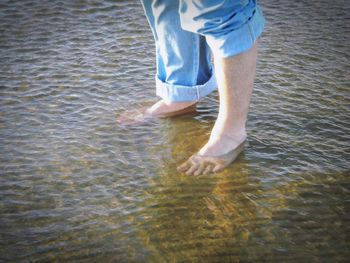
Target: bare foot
[
  {"x": 215, "y": 156},
  {"x": 160, "y": 109}
]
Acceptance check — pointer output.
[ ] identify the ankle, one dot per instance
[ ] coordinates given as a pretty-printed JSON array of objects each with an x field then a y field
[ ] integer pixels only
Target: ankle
[
  {"x": 237, "y": 137},
  {"x": 233, "y": 135}
]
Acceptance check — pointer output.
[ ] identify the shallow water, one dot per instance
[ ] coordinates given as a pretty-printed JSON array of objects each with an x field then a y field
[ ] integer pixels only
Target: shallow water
[{"x": 75, "y": 186}]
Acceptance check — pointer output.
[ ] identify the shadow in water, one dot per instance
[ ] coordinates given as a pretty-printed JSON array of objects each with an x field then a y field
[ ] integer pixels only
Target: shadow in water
[{"x": 235, "y": 216}]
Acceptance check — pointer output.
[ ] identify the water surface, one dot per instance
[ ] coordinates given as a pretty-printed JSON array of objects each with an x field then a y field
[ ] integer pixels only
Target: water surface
[{"x": 75, "y": 186}]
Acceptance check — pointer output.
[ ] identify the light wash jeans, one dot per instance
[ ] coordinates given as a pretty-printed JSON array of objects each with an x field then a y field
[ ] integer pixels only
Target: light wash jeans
[{"x": 187, "y": 32}]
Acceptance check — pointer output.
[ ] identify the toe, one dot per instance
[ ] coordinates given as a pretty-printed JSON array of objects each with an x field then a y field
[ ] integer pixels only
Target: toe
[
  {"x": 184, "y": 167},
  {"x": 121, "y": 119},
  {"x": 192, "y": 169},
  {"x": 218, "y": 168},
  {"x": 199, "y": 170},
  {"x": 208, "y": 169}
]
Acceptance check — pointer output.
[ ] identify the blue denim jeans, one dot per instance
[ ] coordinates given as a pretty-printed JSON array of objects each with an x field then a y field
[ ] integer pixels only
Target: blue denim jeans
[{"x": 188, "y": 32}]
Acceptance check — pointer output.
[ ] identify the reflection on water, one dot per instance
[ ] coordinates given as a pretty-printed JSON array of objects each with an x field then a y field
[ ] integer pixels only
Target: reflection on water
[{"x": 75, "y": 186}]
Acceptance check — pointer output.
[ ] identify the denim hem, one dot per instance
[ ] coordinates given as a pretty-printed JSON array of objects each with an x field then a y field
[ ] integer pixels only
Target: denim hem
[
  {"x": 180, "y": 93},
  {"x": 239, "y": 40}
]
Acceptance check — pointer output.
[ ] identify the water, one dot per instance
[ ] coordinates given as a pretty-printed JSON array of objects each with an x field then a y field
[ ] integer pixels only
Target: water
[{"x": 75, "y": 186}]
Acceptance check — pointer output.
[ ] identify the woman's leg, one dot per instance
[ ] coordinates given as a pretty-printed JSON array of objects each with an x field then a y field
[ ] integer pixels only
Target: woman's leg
[
  {"x": 184, "y": 70},
  {"x": 231, "y": 30}
]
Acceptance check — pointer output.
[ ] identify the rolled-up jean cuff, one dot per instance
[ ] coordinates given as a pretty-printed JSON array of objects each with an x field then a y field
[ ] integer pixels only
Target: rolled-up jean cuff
[
  {"x": 239, "y": 40},
  {"x": 180, "y": 93}
]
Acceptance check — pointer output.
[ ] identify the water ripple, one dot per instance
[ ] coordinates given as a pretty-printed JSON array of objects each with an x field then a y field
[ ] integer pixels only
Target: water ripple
[{"x": 75, "y": 186}]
